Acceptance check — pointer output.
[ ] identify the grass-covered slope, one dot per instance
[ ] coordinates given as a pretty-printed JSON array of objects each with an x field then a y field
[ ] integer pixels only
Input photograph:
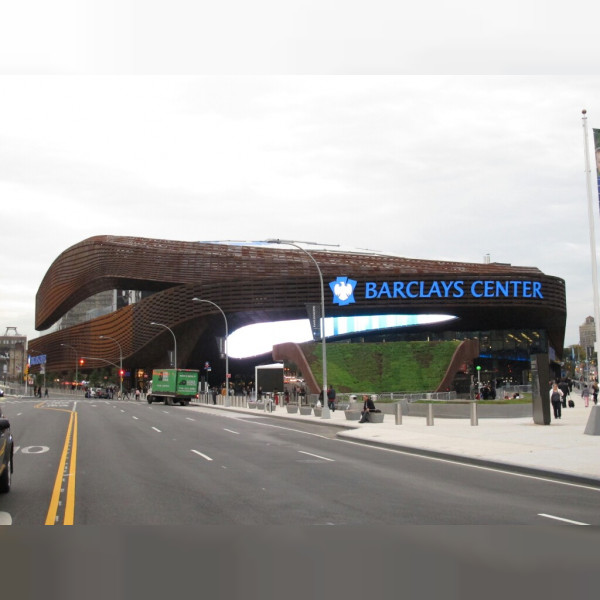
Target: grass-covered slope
[{"x": 385, "y": 367}]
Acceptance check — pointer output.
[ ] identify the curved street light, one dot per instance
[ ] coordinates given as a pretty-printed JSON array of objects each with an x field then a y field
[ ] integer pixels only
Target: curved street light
[
  {"x": 225, "y": 345},
  {"x": 325, "y": 413},
  {"x": 174, "y": 339},
  {"x": 76, "y": 365},
  {"x": 107, "y": 337}
]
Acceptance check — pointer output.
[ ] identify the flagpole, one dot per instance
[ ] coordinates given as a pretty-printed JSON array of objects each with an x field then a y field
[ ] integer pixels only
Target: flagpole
[{"x": 592, "y": 231}]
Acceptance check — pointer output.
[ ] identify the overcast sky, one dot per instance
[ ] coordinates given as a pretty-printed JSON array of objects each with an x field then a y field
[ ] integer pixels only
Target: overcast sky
[{"x": 436, "y": 134}]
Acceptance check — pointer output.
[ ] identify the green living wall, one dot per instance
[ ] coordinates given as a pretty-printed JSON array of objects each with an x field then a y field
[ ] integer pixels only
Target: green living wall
[{"x": 382, "y": 367}]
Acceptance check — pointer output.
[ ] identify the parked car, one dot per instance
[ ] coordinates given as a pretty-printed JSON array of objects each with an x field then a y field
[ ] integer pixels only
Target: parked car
[{"x": 6, "y": 455}]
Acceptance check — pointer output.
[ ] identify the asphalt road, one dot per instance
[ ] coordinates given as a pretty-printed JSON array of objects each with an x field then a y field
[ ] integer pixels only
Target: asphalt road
[{"x": 113, "y": 463}]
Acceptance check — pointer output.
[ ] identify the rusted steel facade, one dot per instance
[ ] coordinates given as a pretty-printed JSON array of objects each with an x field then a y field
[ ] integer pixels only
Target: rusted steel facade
[{"x": 260, "y": 283}]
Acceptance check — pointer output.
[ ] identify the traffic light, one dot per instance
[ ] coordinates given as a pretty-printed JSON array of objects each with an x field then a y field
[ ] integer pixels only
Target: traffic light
[
  {"x": 81, "y": 362},
  {"x": 121, "y": 372}
]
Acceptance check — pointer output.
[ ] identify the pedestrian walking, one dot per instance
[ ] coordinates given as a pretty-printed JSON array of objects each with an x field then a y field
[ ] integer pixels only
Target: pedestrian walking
[
  {"x": 331, "y": 398},
  {"x": 585, "y": 394},
  {"x": 563, "y": 386},
  {"x": 556, "y": 400}
]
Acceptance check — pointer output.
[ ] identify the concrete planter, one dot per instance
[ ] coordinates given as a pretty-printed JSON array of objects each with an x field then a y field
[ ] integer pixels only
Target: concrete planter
[
  {"x": 292, "y": 408},
  {"x": 260, "y": 406},
  {"x": 306, "y": 410},
  {"x": 352, "y": 415},
  {"x": 251, "y": 404},
  {"x": 318, "y": 411},
  {"x": 461, "y": 410},
  {"x": 376, "y": 417}
]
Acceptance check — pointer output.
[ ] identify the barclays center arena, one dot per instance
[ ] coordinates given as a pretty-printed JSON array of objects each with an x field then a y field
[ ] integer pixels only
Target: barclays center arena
[{"x": 128, "y": 301}]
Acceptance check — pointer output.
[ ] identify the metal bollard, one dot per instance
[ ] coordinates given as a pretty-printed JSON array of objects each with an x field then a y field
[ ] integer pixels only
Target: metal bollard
[
  {"x": 474, "y": 420},
  {"x": 398, "y": 414},
  {"x": 430, "y": 414}
]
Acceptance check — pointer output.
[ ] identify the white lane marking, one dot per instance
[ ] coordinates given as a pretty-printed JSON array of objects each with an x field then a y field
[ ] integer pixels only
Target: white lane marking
[
  {"x": 561, "y": 519},
  {"x": 135, "y": 418},
  {"x": 202, "y": 455},
  {"x": 34, "y": 450},
  {"x": 231, "y": 431},
  {"x": 122, "y": 410},
  {"x": 189, "y": 419},
  {"x": 459, "y": 463},
  {"x": 257, "y": 422},
  {"x": 156, "y": 429},
  {"x": 316, "y": 456},
  {"x": 5, "y": 518}
]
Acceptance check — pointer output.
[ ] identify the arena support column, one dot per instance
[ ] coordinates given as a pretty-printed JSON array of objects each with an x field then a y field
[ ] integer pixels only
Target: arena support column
[{"x": 540, "y": 388}]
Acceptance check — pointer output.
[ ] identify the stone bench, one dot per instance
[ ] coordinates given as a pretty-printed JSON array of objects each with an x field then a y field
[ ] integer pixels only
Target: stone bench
[
  {"x": 376, "y": 417},
  {"x": 352, "y": 415}
]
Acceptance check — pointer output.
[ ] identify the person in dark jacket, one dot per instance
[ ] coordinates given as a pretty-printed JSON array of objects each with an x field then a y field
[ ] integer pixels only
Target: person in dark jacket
[
  {"x": 331, "y": 398},
  {"x": 368, "y": 407},
  {"x": 563, "y": 386}
]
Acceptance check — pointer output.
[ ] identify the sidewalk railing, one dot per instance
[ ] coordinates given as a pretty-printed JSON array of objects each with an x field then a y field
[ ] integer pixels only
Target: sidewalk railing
[
  {"x": 312, "y": 399},
  {"x": 397, "y": 396}
]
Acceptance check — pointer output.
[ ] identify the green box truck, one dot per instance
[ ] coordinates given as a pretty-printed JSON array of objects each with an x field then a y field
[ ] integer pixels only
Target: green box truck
[{"x": 173, "y": 386}]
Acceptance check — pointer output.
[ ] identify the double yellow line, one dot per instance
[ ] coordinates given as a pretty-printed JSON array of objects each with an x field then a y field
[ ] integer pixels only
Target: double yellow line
[{"x": 66, "y": 470}]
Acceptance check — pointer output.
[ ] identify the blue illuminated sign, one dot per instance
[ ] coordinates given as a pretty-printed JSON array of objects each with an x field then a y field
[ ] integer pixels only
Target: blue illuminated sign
[
  {"x": 39, "y": 359},
  {"x": 344, "y": 288}
]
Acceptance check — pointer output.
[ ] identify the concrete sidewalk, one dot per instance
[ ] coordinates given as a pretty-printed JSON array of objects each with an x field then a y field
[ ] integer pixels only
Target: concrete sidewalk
[{"x": 560, "y": 449}]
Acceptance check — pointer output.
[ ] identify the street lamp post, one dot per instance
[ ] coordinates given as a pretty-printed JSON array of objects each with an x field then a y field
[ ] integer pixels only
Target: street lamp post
[
  {"x": 76, "y": 365},
  {"x": 107, "y": 337},
  {"x": 225, "y": 345},
  {"x": 174, "y": 340},
  {"x": 325, "y": 414}
]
